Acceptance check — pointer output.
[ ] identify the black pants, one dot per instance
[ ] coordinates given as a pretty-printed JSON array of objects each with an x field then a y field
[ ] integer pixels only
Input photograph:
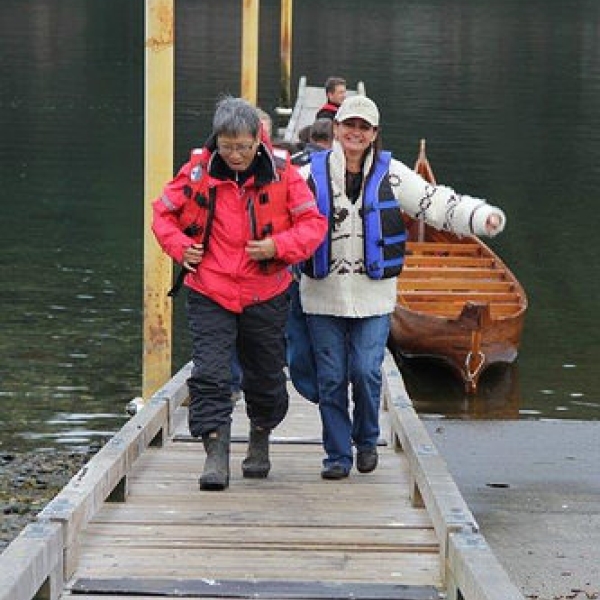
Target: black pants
[{"x": 258, "y": 333}]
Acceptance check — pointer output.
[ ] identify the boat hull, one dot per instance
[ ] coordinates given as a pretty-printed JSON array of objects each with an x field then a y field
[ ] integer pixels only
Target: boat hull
[
  {"x": 457, "y": 303},
  {"x": 452, "y": 340}
]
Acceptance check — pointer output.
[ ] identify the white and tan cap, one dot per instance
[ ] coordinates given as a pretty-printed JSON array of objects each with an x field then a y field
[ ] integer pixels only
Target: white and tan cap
[{"x": 358, "y": 107}]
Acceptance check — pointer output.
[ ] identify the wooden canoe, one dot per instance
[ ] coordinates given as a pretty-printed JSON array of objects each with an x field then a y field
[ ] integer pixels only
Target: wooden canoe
[{"x": 457, "y": 301}]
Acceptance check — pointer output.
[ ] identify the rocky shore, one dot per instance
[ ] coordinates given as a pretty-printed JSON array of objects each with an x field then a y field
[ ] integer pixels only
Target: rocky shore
[{"x": 28, "y": 481}]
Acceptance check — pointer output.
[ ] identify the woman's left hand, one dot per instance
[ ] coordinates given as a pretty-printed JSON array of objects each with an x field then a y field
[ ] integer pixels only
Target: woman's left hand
[{"x": 261, "y": 249}]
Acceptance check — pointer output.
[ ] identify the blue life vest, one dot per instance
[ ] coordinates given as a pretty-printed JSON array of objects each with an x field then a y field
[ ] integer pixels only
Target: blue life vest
[{"x": 383, "y": 226}]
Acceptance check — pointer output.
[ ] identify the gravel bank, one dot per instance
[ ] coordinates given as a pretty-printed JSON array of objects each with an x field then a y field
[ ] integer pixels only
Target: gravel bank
[{"x": 28, "y": 481}]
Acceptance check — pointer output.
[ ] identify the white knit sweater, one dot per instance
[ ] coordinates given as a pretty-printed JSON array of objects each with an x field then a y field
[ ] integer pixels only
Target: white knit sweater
[{"x": 348, "y": 292}]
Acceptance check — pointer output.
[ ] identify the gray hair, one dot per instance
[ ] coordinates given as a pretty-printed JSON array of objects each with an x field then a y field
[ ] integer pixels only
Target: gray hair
[{"x": 234, "y": 117}]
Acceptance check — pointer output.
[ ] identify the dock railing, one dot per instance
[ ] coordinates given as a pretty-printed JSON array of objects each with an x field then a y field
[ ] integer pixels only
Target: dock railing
[
  {"x": 38, "y": 563},
  {"x": 470, "y": 570}
]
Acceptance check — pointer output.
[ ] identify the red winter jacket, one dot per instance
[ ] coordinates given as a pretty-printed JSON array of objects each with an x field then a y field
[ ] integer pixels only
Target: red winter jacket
[{"x": 226, "y": 274}]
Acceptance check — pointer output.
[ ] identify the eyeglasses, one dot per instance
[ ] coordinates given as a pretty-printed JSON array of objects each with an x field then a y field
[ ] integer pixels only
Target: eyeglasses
[{"x": 229, "y": 149}]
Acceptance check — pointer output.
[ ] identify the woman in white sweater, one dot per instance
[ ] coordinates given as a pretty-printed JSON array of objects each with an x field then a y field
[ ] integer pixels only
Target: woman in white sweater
[{"x": 348, "y": 288}]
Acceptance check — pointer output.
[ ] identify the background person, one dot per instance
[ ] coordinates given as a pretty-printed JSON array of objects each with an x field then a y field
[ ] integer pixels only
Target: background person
[
  {"x": 348, "y": 287},
  {"x": 335, "y": 90},
  {"x": 320, "y": 138},
  {"x": 236, "y": 216}
]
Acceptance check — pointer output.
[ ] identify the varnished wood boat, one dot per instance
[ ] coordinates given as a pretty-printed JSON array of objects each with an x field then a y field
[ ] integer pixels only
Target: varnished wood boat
[{"x": 457, "y": 301}]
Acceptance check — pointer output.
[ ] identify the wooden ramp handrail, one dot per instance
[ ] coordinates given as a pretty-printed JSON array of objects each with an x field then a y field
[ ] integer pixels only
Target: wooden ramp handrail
[
  {"x": 471, "y": 570},
  {"x": 39, "y": 562}
]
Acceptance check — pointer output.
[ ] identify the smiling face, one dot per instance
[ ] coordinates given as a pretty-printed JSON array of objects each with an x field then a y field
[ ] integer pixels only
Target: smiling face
[
  {"x": 237, "y": 151},
  {"x": 355, "y": 135}
]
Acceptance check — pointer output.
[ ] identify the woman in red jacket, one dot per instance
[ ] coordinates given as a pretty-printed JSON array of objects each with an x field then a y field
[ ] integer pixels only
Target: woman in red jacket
[{"x": 235, "y": 216}]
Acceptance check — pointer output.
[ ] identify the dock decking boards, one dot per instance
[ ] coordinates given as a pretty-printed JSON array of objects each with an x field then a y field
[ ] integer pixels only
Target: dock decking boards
[
  {"x": 292, "y": 535},
  {"x": 132, "y": 523}
]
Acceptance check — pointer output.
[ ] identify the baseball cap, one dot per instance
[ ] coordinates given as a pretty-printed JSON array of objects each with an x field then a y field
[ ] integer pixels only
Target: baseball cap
[{"x": 358, "y": 107}]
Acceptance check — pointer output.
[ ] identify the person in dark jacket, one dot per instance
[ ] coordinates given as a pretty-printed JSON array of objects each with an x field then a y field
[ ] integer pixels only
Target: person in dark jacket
[
  {"x": 236, "y": 216},
  {"x": 335, "y": 90},
  {"x": 320, "y": 138}
]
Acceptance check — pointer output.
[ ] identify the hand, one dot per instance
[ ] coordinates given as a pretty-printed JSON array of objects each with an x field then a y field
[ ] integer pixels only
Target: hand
[
  {"x": 261, "y": 249},
  {"x": 493, "y": 224},
  {"x": 192, "y": 257}
]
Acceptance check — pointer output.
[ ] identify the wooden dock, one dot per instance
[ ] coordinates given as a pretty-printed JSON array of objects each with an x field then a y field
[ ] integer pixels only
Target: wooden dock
[{"x": 134, "y": 524}]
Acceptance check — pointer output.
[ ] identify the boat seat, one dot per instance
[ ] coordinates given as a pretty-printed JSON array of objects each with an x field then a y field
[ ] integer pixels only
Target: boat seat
[
  {"x": 453, "y": 309},
  {"x": 441, "y": 248},
  {"x": 446, "y": 296},
  {"x": 416, "y": 271},
  {"x": 454, "y": 261},
  {"x": 458, "y": 285}
]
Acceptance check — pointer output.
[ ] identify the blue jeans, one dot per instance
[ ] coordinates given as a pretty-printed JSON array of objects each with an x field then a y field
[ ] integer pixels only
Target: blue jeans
[
  {"x": 300, "y": 356},
  {"x": 348, "y": 350}
]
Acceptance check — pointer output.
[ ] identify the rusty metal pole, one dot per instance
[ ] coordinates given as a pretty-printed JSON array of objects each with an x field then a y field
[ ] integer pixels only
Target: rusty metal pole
[
  {"x": 250, "y": 21},
  {"x": 286, "y": 53},
  {"x": 158, "y": 168}
]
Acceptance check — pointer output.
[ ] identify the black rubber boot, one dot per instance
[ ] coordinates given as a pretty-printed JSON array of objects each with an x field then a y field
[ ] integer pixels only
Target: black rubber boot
[
  {"x": 216, "y": 466},
  {"x": 256, "y": 465}
]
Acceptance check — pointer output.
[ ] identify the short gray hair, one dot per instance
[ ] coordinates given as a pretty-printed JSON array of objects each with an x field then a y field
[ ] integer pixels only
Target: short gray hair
[{"x": 234, "y": 117}]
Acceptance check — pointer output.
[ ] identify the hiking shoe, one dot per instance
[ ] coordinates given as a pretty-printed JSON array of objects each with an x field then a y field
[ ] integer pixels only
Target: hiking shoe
[
  {"x": 366, "y": 460},
  {"x": 334, "y": 472}
]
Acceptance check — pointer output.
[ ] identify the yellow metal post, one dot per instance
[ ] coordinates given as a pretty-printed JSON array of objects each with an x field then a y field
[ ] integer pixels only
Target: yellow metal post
[
  {"x": 286, "y": 52},
  {"x": 250, "y": 21},
  {"x": 158, "y": 168}
]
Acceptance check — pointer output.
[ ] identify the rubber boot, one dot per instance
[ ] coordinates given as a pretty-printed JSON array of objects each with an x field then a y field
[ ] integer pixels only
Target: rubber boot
[
  {"x": 216, "y": 466},
  {"x": 256, "y": 465}
]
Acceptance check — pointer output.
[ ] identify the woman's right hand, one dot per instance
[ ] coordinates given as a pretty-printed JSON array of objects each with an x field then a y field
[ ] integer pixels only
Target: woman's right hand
[{"x": 192, "y": 257}]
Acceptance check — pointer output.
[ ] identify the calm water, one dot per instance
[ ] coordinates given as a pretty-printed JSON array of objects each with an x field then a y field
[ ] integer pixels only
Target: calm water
[{"x": 506, "y": 93}]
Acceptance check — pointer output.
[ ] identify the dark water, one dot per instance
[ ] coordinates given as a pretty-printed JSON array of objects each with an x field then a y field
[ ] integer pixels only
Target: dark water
[{"x": 507, "y": 94}]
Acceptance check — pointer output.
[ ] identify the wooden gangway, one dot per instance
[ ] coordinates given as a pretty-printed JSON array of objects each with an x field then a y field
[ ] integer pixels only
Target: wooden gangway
[
  {"x": 309, "y": 100},
  {"x": 134, "y": 524}
]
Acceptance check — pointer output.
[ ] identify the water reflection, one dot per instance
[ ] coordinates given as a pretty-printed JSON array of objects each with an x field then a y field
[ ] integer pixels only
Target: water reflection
[
  {"x": 517, "y": 123},
  {"x": 435, "y": 390}
]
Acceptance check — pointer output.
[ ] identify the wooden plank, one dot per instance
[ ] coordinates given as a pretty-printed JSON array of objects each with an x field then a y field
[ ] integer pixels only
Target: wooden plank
[
  {"x": 257, "y": 536},
  {"x": 448, "y": 248},
  {"x": 474, "y": 572},
  {"x": 285, "y": 590},
  {"x": 217, "y": 563},
  {"x": 32, "y": 565},
  {"x": 414, "y": 271},
  {"x": 433, "y": 485},
  {"x": 458, "y": 261},
  {"x": 473, "y": 296},
  {"x": 471, "y": 571},
  {"x": 453, "y": 309},
  {"x": 409, "y": 284}
]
